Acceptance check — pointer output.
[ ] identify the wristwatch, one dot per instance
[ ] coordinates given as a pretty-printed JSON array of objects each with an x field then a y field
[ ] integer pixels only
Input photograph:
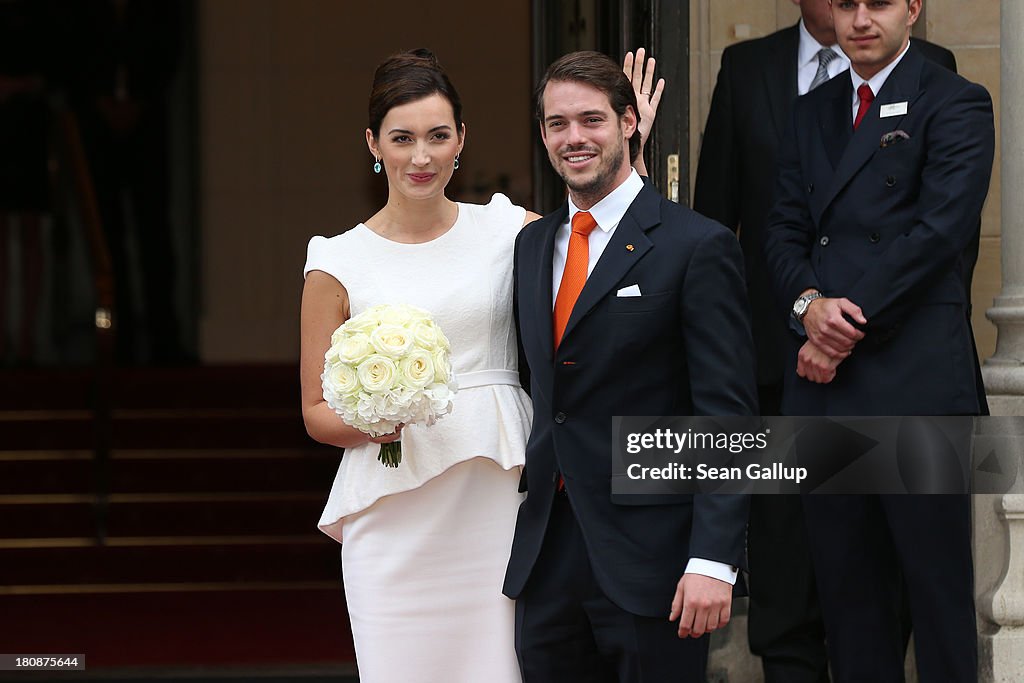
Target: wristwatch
[{"x": 802, "y": 303}]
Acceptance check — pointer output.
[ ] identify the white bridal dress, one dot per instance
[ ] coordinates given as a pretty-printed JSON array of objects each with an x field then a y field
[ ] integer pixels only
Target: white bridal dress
[{"x": 425, "y": 545}]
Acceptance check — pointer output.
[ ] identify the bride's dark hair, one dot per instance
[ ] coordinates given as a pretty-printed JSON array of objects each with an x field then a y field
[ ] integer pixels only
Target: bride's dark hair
[{"x": 407, "y": 77}]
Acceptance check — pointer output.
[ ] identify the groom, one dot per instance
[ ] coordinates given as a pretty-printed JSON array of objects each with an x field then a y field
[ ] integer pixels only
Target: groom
[{"x": 627, "y": 304}]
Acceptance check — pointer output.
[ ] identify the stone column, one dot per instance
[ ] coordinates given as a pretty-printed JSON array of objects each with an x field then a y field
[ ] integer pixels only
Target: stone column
[
  {"x": 999, "y": 520},
  {"x": 1001, "y": 626},
  {"x": 1004, "y": 372}
]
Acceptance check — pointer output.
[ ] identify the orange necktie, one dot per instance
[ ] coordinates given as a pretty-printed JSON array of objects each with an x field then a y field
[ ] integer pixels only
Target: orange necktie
[
  {"x": 574, "y": 276},
  {"x": 866, "y": 97}
]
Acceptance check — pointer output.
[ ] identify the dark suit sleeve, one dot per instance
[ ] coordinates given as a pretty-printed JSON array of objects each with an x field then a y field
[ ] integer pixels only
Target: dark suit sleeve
[
  {"x": 720, "y": 356},
  {"x": 954, "y": 182},
  {"x": 790, "y": 231},
  {"x": 716, "y": 192},
  {"x": 716, "y": 329}
]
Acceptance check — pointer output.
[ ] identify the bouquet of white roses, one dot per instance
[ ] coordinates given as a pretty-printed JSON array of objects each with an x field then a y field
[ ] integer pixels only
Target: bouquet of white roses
[{"x": 388, "y": 366}]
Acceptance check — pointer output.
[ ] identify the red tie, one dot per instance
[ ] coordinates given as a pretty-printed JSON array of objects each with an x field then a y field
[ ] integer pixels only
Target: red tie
[
  {"x": 577, "y": 259},
  {"x": 866, "y": 98}
]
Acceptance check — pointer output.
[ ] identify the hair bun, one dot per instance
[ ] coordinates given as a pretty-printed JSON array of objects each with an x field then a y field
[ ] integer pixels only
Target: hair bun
[
  {"x": 406, "y": 77},
  {"x": 424, "y": 53}
]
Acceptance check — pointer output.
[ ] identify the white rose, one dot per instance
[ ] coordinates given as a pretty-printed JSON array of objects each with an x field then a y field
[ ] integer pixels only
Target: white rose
[
  {"x": 442, "y": 340},
  {"x": 426, "y": 334},
  {"x": 354, "y": 348},
  {"x": 417, "y": 368},
  {"x": 376, "y": 374},
  {"x": 365, "y": 323},
  {"x": 343, "y": 379},
  {"x": 395, "y": 315},
  {"x": 391, "y": 340},
  {"x": 331, "y": 357},
  {"x": 442, "y": 367}
]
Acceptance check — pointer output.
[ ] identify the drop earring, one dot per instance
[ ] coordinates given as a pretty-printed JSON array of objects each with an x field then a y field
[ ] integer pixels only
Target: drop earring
[
  {"x": 456, "y": 162},
  {"x": 376, "y": 165}
]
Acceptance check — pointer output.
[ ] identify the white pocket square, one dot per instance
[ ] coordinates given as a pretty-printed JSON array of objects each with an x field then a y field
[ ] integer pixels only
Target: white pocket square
[{"x": 632, "y": 290}]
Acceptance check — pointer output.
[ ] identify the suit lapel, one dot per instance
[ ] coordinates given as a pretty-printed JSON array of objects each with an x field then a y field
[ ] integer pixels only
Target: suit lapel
[
  {"x": 542, "y": 295},
  {"x": 837, "y": 123},
  {"x": 618, "y": 257},
  {"x": 903, "y": 85}
]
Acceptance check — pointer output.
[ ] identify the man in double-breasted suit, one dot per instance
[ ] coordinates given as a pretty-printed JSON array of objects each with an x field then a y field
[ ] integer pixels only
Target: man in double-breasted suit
[
  {"x": 627, "y": 304},
  {"x": 757, "y": 84},
  {"x": 882, "y": 177}
]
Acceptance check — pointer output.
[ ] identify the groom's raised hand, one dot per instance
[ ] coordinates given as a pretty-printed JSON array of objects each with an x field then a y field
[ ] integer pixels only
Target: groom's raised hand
[
  {"x": 648, "y": 94},
  {"x": 701, "y": 604}
]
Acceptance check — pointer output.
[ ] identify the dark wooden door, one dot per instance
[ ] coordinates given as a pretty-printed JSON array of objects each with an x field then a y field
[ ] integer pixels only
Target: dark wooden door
[{"x": 612, "y": 27}]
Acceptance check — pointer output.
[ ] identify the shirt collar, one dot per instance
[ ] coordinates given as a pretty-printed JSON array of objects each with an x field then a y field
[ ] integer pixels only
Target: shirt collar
[
  {"x": 610, "y": 210},
  {"x": 809, "y": 48},
  {"x": 878, "y": 80}
]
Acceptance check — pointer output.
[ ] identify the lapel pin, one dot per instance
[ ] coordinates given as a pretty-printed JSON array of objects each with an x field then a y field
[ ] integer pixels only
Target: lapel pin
[{"x": 630, "y": 247}]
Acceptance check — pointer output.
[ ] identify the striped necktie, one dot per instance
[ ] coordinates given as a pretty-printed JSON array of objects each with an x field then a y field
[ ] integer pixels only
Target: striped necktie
[{"x": 826, "y": 56}]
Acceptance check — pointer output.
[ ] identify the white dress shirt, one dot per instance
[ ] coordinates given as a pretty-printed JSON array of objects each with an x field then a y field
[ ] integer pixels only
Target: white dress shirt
[
  {"x": 607, "y": 213},
  {"x": 807, "y": 60},
  {"x": 875, "y": 82}
]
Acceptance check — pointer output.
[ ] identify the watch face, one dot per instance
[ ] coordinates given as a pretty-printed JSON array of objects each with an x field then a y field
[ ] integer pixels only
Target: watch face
[{"x": 800, "y": 306}]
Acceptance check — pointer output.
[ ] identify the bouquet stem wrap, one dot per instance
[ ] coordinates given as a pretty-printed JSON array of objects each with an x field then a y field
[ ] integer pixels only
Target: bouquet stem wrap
[
  {"x": 390, "y": 454},
  {"x": 389, "y": 366}
]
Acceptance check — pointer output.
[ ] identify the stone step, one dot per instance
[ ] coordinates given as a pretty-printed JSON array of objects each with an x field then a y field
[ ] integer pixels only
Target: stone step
[
  {"x": 230, "y": 386},
  {"x": 155, "y": 514},
  {"x": 76, "y": 429},
  {"x": 172, "y": 471},
  {"x": 144, "y": 567}
]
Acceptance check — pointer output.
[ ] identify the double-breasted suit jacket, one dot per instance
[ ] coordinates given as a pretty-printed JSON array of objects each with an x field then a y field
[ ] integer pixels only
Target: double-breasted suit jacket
[
  {"x": 882, "y": 216},
  {"x": 750, "y": 109},
  {"x": 683, "y": 347}
]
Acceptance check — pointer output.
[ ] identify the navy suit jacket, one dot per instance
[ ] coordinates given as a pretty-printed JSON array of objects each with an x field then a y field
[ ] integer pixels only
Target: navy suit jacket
[
  {"x": 750, "y": 108},
  {"x": 682, "y": 348},
  {"x": 886, "y": 225}
]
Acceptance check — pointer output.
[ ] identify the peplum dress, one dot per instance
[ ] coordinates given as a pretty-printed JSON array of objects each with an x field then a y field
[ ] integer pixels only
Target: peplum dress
[{"x": 425, "y": 545}]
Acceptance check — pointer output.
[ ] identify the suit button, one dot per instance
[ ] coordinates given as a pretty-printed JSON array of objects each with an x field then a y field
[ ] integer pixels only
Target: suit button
[
  {"x": 810, "y": 188},
  {"x": 875, "y": 238},
  {"x": 890, "y": 181},
  {"x": 560, "y": 418},
  {"x": 823, "y": 241}
]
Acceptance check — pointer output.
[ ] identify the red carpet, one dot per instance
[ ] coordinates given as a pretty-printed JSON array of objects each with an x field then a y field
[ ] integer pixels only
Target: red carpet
[
  {"x": 208, "y": 505},
  {"x": 276, "y": 627}
]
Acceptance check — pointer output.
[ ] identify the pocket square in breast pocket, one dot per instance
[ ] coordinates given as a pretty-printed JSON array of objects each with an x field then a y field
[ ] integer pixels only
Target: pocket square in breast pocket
[
  {"x": 892, "y": 137},
  {"x": 632, "y": 290}
]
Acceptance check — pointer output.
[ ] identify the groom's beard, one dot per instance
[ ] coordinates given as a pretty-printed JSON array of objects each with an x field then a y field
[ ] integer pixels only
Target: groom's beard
[{"x": 598, "y": 182}]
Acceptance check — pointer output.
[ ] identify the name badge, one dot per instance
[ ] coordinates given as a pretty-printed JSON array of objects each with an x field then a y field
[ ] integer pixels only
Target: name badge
[{"x": 895, "y": 109}]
